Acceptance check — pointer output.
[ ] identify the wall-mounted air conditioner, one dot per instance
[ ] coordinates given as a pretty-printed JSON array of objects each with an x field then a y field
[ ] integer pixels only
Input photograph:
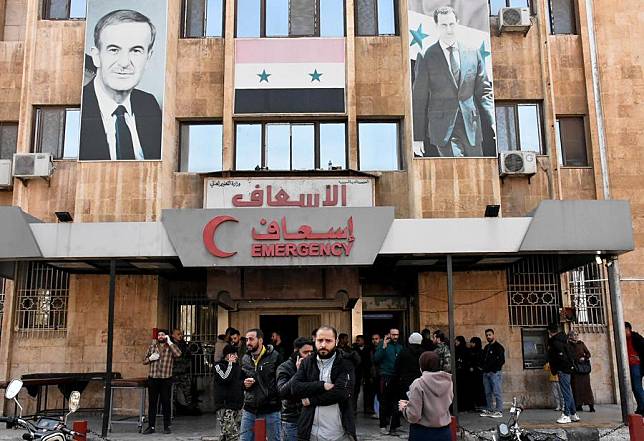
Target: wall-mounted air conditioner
[
  {"x": 514, "y": 20},
  {"x": 517, "y": 163},
  {"x": 32, "y": 165},
  {"x": 6, "y": 179}
]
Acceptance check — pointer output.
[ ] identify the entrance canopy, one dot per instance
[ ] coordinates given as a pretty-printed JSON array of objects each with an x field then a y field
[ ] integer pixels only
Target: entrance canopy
[{"x": 576, "y": 231}]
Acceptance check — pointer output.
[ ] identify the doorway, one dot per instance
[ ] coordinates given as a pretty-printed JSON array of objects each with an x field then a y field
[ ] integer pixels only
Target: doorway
[
  {"x": 381, "y": 323},
  {"x": 286, "y": 325}
]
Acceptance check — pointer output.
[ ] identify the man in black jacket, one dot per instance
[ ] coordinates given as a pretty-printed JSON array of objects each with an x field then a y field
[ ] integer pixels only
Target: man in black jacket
[
  {"x": 635, "y": 347},
  {"x": 408, "y": 365},
  {"x": 291, "y": 407},
  {"x": 364, "y": 376},
  {"x": 261, "y": 398},
  {"x": 324, "y": 383},
  {"x": 229, "y": 394},
  {"x": 493, "y": 361},
  {"x": 562, "y": 363}
]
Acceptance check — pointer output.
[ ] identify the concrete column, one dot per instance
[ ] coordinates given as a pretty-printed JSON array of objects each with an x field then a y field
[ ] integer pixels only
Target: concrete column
[
  {"x": 222, "y": 320},
  {"x": 356, "y": 319}
]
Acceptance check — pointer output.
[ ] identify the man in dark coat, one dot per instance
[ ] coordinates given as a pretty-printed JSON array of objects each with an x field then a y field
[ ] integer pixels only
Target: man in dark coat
[
  {"x": 292, "y": 407},
  {"x": 364, "y": 376},
  {"x": 324, "y": 383},
  {"x": 261, "y": 397},
  {"x": 407, "y": 364},
  {"x": 562, "y": 363},
  {"x": 635, "y": 347},
  {"x": 229, "y": 394}
]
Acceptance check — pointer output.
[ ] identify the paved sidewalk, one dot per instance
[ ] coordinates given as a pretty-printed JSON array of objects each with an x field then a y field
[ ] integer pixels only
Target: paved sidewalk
[{"x": 204, "y": 428}]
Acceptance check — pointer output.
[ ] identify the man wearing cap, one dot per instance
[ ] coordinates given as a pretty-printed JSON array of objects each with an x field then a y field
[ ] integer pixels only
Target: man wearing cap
[{"x": 407, "y": 364}]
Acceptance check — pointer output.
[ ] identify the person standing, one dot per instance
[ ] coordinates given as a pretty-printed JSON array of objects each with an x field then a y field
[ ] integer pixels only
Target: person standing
[
  {"x": 428, "y": 343},
  {"x": 635, "y": 348},
  {"x": 408, "y": 364},
  {"x": 261, "y": 397},
  {"x": 492, "y": 363},
  {"x": 442, "y": 350},
  {"x": 581, "y": 388},
  {"x": 229, "y": 394},
  {"x": 364, "y": 376},
  {"x": 160, "y": 357},
  {"x": 278, "y": 345},
  {"x": 554, "y": 388},
  {"x": 376, "y": 339},
  {"x": 430, "y": 397},
  {"x": 181, "y": 376},
  {"x": 562, "y": 363},
  {"x": 235, "y": 340},
  {"x": 324, "y": 383},
  {"x": 465, "y": 397},
  {"x": 291, "y": 407},
  {"x": 475, "y": 367},
  {"x": 385, "y": 356},
  {"x": 345, "y": 346}
]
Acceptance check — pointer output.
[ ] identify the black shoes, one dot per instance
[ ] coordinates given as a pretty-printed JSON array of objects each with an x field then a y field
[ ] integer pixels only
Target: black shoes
[
  {"x": 149, "y": 430},
  {"x": 167, "y": 431}
]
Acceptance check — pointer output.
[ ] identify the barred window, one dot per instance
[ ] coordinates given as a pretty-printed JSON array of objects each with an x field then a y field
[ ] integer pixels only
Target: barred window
[
  {"x": 42, "y": 296},
  {"x": 587, "y": 291},
  {"x": 534, "y": 292}
]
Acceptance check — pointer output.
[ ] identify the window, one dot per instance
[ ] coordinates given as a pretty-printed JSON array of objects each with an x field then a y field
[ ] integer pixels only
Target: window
[
  {"x": 201, "y": 147},
  {"x": 376, "y": 17},
  {"x": 8, "y": 140},
  {"x": 571, "y": 142},
  {"x": 379, "y": 145},
  {"x": 57, "y": 131},
  {"x": 203, "y": 18},
  {"x": 518, "y": 127},
  {"x": 534, "y": 292},
  {"x": 562, "y": 16},
  {"x": 42, "y": 296},
  {"x": 290, "y": 18},
  {"x": 290, "y": 146},
  {"x": 63, "y": 9},
  {"x": 496, "y": 5},
  {"x": 587, "y": 291}
]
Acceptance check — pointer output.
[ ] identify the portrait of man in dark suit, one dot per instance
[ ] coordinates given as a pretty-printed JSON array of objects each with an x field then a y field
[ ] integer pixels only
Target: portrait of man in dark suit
[
  {"x": 452, "y": 96},
  {"x": 119, "y": 121}
]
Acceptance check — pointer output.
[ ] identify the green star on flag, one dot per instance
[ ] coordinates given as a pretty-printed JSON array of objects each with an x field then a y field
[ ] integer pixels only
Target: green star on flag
[
  {"x": 418, "y": 36},
  {"x": 315, "y": 76},
  {"x": 263, "y": 76}
]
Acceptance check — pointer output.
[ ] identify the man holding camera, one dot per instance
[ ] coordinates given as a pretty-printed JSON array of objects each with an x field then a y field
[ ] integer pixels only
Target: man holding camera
[
  {"x": 160, "y": 357},
  {"x": 385, "y": 358}
]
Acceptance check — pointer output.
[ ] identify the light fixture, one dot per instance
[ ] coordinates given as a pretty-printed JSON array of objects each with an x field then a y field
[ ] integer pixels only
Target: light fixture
[
  {"x": 64, "y": 216},
  {"x": 492, "y": 210}
]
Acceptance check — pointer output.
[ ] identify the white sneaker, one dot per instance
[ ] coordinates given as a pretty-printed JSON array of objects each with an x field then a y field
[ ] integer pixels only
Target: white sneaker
[
  {"x": 558, "y": 409},
  {"x": 564, "y": 419},
  {"x": 574, "y": 418},
  {"x": 496, "y": 414},
  {"x": 485, "y": 413},
  {"x": 384, "y": 431}
]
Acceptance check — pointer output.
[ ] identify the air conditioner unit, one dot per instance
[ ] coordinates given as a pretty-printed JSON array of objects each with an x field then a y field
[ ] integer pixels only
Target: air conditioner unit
[
  {"x": 517, "y": 163},
  {"x": 514, "y": 20},
  {"x": 6, "y": 180},
  {"x": 32, "y": 165}
]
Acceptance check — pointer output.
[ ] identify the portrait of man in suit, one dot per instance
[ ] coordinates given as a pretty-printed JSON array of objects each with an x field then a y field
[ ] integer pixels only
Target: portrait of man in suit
[
  {"x": 452, "y": 96},
  {"x": 119, "y": 121}
]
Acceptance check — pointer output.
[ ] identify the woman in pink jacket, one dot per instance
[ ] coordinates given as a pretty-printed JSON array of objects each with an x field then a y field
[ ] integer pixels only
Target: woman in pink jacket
[{"x": 430, "y": 396}]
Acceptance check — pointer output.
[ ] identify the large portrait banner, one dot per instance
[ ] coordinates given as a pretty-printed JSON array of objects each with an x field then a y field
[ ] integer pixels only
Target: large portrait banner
[
  {"x": 122, "y": 102},
  {"x": 451, "y": 77}
]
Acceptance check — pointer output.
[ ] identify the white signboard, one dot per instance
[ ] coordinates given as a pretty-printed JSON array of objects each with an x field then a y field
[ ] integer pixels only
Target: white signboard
[{"x": 293, "y": 192}]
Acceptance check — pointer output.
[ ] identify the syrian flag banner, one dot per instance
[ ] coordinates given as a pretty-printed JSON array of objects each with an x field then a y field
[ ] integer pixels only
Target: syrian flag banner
[{"x": 289, "y": 75}]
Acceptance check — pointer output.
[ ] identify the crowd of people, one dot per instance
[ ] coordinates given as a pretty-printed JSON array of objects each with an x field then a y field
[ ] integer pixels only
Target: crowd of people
[{"x": 311, "y": 392}]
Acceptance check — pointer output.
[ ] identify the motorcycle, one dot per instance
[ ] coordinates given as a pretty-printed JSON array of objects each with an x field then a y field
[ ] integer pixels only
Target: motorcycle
[
  {"x": 41, "y": 428},
  {"x": 511, "y": 431}
]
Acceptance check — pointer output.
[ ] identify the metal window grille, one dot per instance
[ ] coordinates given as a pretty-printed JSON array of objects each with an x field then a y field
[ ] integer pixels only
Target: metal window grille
[
  {"x": 42, "y": 297},
  {"x": 3, "y": 290},
  {"x": 534, "y": 292},
  {"x": 196, "y": 316},
  {"x": 587, "y": 293}
]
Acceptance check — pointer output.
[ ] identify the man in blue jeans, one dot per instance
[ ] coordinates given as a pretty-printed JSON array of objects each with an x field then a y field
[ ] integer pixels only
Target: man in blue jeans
[
  {"x": 493, "y": 361},
  {"x": 261, "y": 398},
  {"x": 562, "y": 362},
  {"x": 635, "y": 347}
]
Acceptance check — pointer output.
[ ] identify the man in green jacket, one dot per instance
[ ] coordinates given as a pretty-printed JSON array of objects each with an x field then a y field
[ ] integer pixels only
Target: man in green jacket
[{"x": 385, "y": 359}]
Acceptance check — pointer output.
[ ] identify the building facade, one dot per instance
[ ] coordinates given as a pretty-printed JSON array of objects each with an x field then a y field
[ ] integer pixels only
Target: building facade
[{"x": 566, "y": 88}]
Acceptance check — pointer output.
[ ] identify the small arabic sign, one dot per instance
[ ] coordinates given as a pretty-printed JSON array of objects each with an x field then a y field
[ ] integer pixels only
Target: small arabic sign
[
  {"x": 293, "y": 192},
  {"x": 277, "y": 237}
]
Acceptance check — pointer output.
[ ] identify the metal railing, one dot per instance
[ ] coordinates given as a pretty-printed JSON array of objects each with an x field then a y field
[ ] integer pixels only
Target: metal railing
[
  {"x": 534, "y": 292},
  {"x": 42, "y": 295},
  {"x": 587, "y": 294}
]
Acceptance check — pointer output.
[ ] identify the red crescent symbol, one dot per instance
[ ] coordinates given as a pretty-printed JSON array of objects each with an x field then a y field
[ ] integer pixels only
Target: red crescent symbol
[{"x": 209, "y": 232}]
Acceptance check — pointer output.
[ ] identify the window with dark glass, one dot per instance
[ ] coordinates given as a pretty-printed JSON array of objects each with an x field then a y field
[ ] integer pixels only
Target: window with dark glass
[
  {"x": 376, "y": 17},
  {"x": 379, "y": 145},
  {"x": 496, "y": 5},
  {"x": 64, "y": 9},
  {"x": 57, "y": 131},
  {"x": 203, "y": 18},
  {"x": 562, "y": 16},
  {"x": 518, "y": 127},
  {"x": 201, "y": 147},
  {"x": 290, "y": 145},
  {"x": 290, "y": 18},
  {"x": 8, "y": 140},
  {"x": 571, "y": 141}
]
